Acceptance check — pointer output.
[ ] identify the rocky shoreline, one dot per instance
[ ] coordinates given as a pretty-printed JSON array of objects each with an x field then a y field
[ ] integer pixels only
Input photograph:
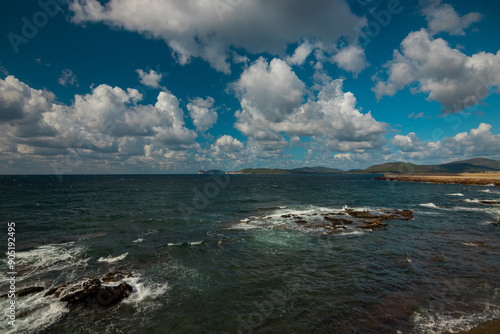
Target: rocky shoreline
[{"x": 481, "y": 179}]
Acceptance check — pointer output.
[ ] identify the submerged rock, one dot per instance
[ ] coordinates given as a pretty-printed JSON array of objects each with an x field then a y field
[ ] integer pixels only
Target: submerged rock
[
  {"x": 26, "y": 291},
  {"x": 87, "y": 292},
  {"x": 338, "y": 221},
  {"x": 29, "y": 291},
  {"x": 490, "y": 202},
  {"x": 361, "y": 214}
]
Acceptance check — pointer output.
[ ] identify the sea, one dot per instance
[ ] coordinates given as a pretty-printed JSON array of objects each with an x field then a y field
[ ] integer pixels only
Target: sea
[{"x": 225, "y": 254}]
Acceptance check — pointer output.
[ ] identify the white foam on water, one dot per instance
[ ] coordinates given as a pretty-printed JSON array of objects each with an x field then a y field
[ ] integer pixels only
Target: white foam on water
[
  {"x": 138, "y": 240},
  {"x": 429, "y": 205},
  {"x": 437, "y": 323},
  {"x": 151, "y": 232},
  {"x": 484, "y": 208},
  {"x": 285, "y": 219},
  {"x": 190, "y": 243},
  {"x": 455, "y": 194},
  {"x": 35, "y": 313},
  {"x": 243, "y": 226},
  {"x": 143, "y": 290},
  {"x": 489, "y": 191},
  {"x": 472, "y": 244},
  {"x": 354, "y": 232},
  {"x": 110, "y": 259},
  {"x": 51, "y": 257},
  {"x": 474, "y": 200}
]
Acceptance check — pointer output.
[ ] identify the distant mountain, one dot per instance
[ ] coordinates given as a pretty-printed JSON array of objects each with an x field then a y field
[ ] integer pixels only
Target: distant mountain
[
  {"x": 398, "y": 167},
  {"x": 466, "y": 166},
  {"x": 211, "y": 172},
  {"x": 316, "y": 170},
  {"x": 302, "y": 170},
  {"x": 471, "y": 165},
  {"x": 264, "y": 171}
]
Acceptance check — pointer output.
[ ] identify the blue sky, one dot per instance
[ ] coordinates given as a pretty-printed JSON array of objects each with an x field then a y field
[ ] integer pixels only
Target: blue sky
[{"x": 123, "y": 86}]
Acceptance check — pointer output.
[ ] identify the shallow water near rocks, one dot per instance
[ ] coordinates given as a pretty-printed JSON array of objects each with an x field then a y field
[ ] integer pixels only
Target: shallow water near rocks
[{"x": 237, "y": 261}]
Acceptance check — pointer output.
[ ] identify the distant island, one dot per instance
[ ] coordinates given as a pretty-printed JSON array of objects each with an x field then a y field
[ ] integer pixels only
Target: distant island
[
  {"x": 476, "y": 165},
  {"x": 302, "y": 170}
]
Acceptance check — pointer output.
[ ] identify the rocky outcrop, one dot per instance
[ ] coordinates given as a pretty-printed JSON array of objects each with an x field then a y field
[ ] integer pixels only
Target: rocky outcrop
[
  {"x": 87, "y": 292},
  {"x": 336, "y": 222}
]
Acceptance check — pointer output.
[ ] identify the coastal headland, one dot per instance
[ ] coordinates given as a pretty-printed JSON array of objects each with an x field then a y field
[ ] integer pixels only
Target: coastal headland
[{"x": 483, "y": 179}]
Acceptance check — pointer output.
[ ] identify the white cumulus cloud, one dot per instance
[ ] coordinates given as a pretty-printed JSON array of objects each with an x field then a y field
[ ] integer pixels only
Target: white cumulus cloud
[
  {"x": 272, "y": 104},
  {"x": 151, "y": 79},
  {"x": 351, "y": 59},
  {"x": 477, "y": 142},
  {"x": 209, "y": 29},
  {"x": 448, "y": 76},
  {"x": 202, "y": 113},
  {"x": 444, "y": 18},
  {"x": 68, "y": 78}
]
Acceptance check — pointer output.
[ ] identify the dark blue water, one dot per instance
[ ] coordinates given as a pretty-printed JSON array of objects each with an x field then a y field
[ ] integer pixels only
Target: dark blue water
[{"x": 215, "y": 255}]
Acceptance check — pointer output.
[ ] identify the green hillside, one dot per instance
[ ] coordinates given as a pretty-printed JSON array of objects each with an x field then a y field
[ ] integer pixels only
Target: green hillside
[
  {"x": 264, "y": 171},
  {"x": 398, "y": 167},
  {"x": 475, "y": 165},
  {"x": 316, "y": 170}
]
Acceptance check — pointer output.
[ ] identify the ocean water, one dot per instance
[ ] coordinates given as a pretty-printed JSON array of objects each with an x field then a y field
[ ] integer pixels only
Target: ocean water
[{"x": 213, "y": 254}]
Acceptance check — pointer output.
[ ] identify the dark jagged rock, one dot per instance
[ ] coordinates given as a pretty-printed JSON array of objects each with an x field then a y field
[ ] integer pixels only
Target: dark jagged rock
[
  {"x": 373, "y": 224},
  {"x": 26, "y": 291},
  {"x": 388, "y": 215},
  {"x": 332, "y": 222},
  {"x": 116, "y": 276},
  {"x": 361, "y": 214},
  {"x": 29, "y": 291},
  {"x": 497, "y": 223},
  {"x": 490, "y": 202},
  {"x": 87, "y": 292},
  {"x": 338, "y": 221}
]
